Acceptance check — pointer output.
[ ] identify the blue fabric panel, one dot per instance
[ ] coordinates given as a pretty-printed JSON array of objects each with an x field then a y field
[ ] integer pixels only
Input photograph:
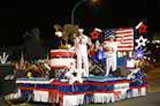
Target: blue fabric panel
[{"x": 121, "y": 62}]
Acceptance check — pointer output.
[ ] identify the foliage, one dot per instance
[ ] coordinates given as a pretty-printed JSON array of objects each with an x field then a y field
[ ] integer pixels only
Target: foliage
[{"x": 68, "y": 31}]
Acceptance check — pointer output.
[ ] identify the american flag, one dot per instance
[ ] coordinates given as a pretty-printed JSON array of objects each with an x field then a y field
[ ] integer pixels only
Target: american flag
[
  {"x": 109, "y": 32},
  {"x": 128, "y": 38}
]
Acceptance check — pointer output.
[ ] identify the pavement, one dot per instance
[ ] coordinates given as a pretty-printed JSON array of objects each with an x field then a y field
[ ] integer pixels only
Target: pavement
[{"x": 153, "y": 77}]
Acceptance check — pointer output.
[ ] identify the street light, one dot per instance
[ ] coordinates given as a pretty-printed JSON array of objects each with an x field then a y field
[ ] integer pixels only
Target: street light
[
  {"x": 94, "y": 1},
  {"x": 76, "y": 6},
  {"x": 73, "y": 10}
]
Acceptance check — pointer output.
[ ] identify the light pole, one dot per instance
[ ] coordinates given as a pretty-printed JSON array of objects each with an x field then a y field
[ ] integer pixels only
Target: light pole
[
  {"x": 77, "y": 5},
  {"x": 74, "y": 9}
]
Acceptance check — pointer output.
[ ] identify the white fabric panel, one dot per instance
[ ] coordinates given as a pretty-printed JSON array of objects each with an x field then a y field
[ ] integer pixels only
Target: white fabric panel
[
  {"x": 129, "y": 94},
  {"x": 36, "y": 81},
  {"x": 121, "y": 86},
  {"x": 130, "y": 54},
  {"x": 73, "y": 100},
  {"x": 56, "y": 62},
  {"x": 61, "y": 50},
  {"x": 103, "y": 98},
  {"x": 143, "y": 91},
  {"x": 135, "y": 93},
  {"x": 123, "y": 94},
  {"x": 130, "y": 63},
  {"x": 40, "y": 96}
]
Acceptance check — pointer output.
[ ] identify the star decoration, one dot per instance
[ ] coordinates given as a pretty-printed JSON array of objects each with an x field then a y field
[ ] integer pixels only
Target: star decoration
[{"x": 140, "y": 42}]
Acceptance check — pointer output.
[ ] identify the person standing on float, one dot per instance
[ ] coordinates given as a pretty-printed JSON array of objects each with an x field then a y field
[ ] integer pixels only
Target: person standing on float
[
  {"x": 81, "y": 43},
  {"x": 110, "y": 48},
  {"x": 96, "y": 36}
]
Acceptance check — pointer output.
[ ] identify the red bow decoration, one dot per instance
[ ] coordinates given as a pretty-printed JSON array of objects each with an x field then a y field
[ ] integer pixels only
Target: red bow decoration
[{"x": 143, "y": 29}]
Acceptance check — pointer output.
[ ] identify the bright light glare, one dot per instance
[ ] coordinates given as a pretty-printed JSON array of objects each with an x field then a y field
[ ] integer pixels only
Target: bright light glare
[
  {"x": 139, "y": 54},
  {"x": 94, "y": 1}
]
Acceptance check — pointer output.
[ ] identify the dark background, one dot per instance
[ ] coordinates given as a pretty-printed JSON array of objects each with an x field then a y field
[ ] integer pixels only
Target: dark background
[{"x": 19, "y": 16}]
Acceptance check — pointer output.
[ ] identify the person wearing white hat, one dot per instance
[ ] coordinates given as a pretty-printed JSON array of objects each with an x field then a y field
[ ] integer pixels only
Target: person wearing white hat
[
  {"x": 81, "y": 49},
  {"x": 110, "y": 48},
  {"x": 95, "y": 34},
  {"x": 98, "y": 30},
  {"x": 80, "y": 30},
  {"x": 96, "y": 40}
]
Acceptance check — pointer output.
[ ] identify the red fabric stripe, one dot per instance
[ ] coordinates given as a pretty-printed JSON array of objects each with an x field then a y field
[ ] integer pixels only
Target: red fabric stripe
[
  {"x": 127, "y": 32},
  {"x": 125, "y": 50},
  {"x": 61, "y": 54},
  {"x": 129, "y": 35},
  {"x": 39, "y": 89},
  {"x": 120, "y": 29},
  {"x": 58, "y": 83},
  {"x": 127, "y": 43},
  {"x": 60, "y": 67},
  {"x": 56, "y": 56},
  {"x": 125, "y": 40},
  {"x": 73, "y": 93},
  {"x": 125, "y": 46},
  {"x": 131, "y": 88}
]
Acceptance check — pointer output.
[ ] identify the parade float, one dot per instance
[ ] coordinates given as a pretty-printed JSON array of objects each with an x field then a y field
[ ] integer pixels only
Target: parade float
[{"x": 69, "y": 87}]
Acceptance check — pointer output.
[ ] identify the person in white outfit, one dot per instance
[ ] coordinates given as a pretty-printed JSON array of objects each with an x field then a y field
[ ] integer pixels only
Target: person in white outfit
[
  {"x": 110, "y": 48},
  {"x": 81, "y": 49}
]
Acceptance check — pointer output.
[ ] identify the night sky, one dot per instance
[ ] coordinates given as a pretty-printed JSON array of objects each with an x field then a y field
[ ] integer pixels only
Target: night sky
[{"x": 17, "y": 17}]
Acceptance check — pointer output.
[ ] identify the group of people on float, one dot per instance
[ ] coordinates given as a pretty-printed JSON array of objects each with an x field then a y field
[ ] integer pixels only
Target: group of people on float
[{"x": 109, "y": 46}]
